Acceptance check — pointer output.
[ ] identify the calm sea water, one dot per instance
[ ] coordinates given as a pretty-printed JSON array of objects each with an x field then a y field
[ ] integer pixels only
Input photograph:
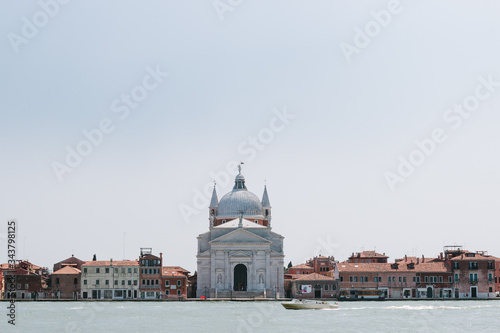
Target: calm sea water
[{"x": 387, "y": 316}]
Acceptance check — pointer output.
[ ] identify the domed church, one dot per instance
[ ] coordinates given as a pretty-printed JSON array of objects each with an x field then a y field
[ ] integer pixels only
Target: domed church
[{"x": 240, "y": 256}]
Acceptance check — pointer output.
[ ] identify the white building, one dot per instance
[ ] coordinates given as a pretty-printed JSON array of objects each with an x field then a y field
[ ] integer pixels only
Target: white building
[
  {"x": 240, "y": 256},
  {"x": 110, "y": 279}
]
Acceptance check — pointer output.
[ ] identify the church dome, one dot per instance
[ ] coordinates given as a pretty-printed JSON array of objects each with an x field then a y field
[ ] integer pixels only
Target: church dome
[{"x": 240, "y": 201}]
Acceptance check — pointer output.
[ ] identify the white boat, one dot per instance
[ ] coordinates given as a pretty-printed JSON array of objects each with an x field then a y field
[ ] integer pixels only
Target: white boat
[{"x": 297, "y": 304}]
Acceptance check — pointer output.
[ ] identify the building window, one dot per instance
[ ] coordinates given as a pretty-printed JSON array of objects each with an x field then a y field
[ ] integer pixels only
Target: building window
[
  {"x": 393, "y": 279},
  {"x": 97, "y": 270},
  {"x": 116, "y": 270},
  {"x": 75, "y": 280},
  {"x": 490, "y": 277},
  {"x": 491, "y": 289},
  {"x": 116, "y": 282},
  {"x": 449, "y": 279},
  {"x": 135, "y": 270},
  {"x": 57, "y": 280},
  {"x": 404, "y": 278},
  {"x": 85, "y": 270},
  {"x": 130, "y": 270},
  {"x": 129, "y": 282},
  {"x": 123, "y": 282},
  {"x": 326, "y": 287},
  {"x": 178, "y": 283},
  {"x": 455, "y": 265},
  {"x": 490, "y": 265},
  {"x": 418, "y": 279},
  {"x": 107, "y": 282},
  {"x": 440, "y": 279},
  {"x": 167, "y": 283},
  {"x": 414, "y": 279},
  {"x": 399, "y": 278},
  {"x": 341, "y": 279},
  {"x": 167, "y": 292},
  {"x": 96, "y": 282},
  {"x": 473, "y": 265},
  {"x": 355, "y": 279},
  {"x": 179, "y": 292},
  {"x": 379, "y": 279},
  {"x": 123, "y": 270},
  {"x": 85, "y": 282},
  {"x": 361, "y": 279},
  {"x": 107, "y": 270},
  {"x": 375, "y": 279},
  {"x": 135, "y": 282},
  {"x": 351, "y": 279}
]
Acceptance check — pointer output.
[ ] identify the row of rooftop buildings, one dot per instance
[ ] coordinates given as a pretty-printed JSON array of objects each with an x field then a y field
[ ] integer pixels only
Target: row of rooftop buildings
[
  {"x": 72, "y": 278},
  {"x": 454, "y": 273}
]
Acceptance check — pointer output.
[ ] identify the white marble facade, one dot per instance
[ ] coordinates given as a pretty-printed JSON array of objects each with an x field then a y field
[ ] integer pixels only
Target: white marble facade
[{"x": 240, "y": 252}]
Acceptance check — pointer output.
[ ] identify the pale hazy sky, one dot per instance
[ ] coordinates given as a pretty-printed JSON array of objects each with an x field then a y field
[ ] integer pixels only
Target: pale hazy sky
[{"x": 358, "y": 103}]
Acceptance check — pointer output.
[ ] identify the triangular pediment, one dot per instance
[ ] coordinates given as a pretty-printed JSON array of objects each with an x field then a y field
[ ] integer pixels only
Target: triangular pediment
[
  {"x": 239, "y": 236},
  {"x": 240, "y": 254}
]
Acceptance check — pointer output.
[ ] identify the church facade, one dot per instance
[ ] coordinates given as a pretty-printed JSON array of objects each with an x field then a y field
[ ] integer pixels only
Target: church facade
[{"x": 240, "y": 255}]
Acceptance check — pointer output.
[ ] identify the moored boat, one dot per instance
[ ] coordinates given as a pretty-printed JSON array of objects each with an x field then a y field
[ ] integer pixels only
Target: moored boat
[{"x": 297, "y": 304}]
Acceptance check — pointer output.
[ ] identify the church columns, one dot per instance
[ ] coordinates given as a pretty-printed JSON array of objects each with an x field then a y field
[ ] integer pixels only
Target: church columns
[
  {"x": 227, "y": 270},
  {"x": 212, "y": 269},
  {"x": 268, "y": 269},
  {"x": 254, "y": 270}
]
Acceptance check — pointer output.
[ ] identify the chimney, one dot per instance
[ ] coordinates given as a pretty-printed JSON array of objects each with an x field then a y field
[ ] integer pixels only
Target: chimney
[
  {"x": 418, "y": 261},
  {"x": 111, "y": 262},
  {"x": 423, "y": 259},
  {"x": 406, "y": 258},
  {"x": 441, "y": 255},
  {"x": 161, "y": 259}
]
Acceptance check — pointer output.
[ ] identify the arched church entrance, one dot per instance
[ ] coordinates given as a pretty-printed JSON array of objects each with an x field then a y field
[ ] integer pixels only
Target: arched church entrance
[{"x": 240, "y": 277}]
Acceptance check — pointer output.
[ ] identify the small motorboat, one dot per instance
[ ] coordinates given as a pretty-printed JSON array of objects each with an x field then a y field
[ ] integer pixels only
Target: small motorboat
[{"x": 298, "y": 304}]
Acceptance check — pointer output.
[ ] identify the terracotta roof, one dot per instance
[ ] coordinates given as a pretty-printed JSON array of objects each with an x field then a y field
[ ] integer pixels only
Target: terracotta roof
[
  {"x": 387, "y": 267},
  {"x": 368, "y": 254},
  {"x": 177, "y": 268},
  {"x": 173, "y": 271},
  {"x": 67, "y": 270},
  {"x": 292, "y": 276},
  {"x": 313, "y": 277},
  {"x": 115, "y": 263},
  {"x": 477, "y": 256},
  {"x": 301, "y": 266}
]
